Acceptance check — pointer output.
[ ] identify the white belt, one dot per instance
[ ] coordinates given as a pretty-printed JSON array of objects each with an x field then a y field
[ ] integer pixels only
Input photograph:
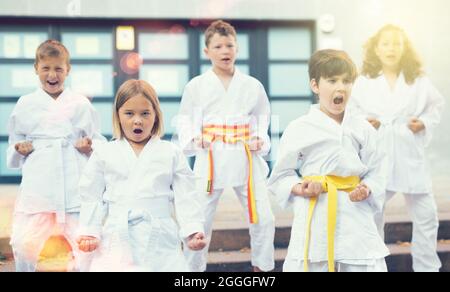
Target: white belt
[
  {"x": 122, "y": 215},
  {"x": 133, "y": 212},
  {"x": 57, "y": 144}
]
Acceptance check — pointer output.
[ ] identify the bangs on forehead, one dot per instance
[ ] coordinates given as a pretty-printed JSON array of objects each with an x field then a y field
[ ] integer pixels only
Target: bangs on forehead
[{"x": 338, "y": 67}]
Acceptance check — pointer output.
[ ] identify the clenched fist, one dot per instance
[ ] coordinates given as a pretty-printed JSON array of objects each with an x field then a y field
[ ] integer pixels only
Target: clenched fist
[
  {"x": 416, "y": 125},
  {"x": 87, "y": 243},
  {"x": 375, "y": 123},
  {"x": 84, "y": 145},
  {"x": 201, "y": 143},
  {"x": 308, "y": 189},
  {"x": 255, "y": 144},
  {"x": 24, "y": 148},
  {"x": 196, "y": 241},
  {"x": 359, "y": 194}
]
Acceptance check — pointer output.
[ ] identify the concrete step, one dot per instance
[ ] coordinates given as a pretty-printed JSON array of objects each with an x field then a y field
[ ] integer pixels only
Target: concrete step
[
  {"x": 401, "y": 260},
  {"x": 236, "y": 238},
  {"x": 240, "y": 261}
]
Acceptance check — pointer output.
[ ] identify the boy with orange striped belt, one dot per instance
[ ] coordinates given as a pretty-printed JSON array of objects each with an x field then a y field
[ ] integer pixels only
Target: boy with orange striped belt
[
  {"x": 343, "y": 178},
  {"x": 223, "y": 121}
]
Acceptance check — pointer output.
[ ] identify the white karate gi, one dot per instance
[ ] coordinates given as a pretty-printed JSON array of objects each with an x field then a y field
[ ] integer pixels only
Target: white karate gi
[
  {"x": 205, "y": 101},
  {"x": 126, "y": 202},
  {"x": 315, "y": 144},
  {"x": 50, "y": 174},
  {"x": 408, "y": 171}
]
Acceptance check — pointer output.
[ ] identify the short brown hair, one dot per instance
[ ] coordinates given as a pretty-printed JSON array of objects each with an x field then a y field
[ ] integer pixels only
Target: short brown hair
[
  {"x": 221, "y": 27},
  {"x": 132, "y": 88},
  {"x": 52, "y": 48},
  {"x": 410, "y": 63},
  {"x": 329, "y": 63}
]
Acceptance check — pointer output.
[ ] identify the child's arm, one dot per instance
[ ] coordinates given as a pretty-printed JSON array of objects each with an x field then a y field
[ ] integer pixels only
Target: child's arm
[
  {"x": 354, "y": 107},
  {"x": 18, "y": 148},
  {"x": 91, "y": 187},
  {"x": 87, "y": 122},
  {"x": 189, "y": 124},
  {"x": 189, "y": 212},
  {"x": 431, "y": 116},
  {"x": 374, "y": 180},
  {"x": 284, "y": 176},
  {"x": 261, "y": 115}
]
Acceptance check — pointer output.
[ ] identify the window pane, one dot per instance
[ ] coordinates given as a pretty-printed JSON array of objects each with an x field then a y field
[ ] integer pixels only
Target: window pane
[
  {"x": 243, "y": 68},
  {"x": 168, "y": 80},
  {"x": 243, "y": 47},
  {"x": 4, "y": 171},
  {"x": 104, "y": 110},
  {"x": 289, "y": 80},
  {"x": 20, "y": 44},
  {"x": 86, "y": 45},
  {"x": 289, "y": 44},
  {"x": 170, "y": 111},
  {"x": 163, "y": 46},
  {"x": 5, "y": 111},
  {"x": 283, "y": 112},
  {"x": 92, "y": 80},
  {"x": 17, "y": 80}
]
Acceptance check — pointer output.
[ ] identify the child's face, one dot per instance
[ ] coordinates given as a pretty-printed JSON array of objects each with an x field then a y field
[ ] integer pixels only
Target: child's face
[
  {"x": 137, "y": 118},
  {"x": 390, "y": 49},
  {"x": 52, "y": 72},
  {"x": 222, "y": 51},
  {"x": 333, "y": 93}
]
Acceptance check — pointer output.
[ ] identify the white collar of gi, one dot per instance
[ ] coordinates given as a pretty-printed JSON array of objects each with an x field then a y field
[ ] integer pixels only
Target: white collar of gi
[
  {"x": 315, "y": 111},
  {"x": 150, "y": 142},
  {"x": 42, "y": 92},
  {"x": 211, "y": 74}
]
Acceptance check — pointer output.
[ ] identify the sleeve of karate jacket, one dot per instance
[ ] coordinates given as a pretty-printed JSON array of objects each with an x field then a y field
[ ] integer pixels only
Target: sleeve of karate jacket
[
  {"x": 431, "y": 116},
  {"x": 88, "y": 123},
  {"x": 14, "y": 159},
  {"x": 188, "y": 211},
  {"x": 353, "y": 106},
  {"x": 261, "y": 114},
  {"x": 375, "y": 159},
  {"x": 189, "y": 122},
  {"x": 91, "y": 187},
  {"x": 284, "y": 176}
]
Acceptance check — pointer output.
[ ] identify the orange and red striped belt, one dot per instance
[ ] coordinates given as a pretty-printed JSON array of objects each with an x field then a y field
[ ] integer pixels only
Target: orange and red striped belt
[{"x": 232, "y": 135}]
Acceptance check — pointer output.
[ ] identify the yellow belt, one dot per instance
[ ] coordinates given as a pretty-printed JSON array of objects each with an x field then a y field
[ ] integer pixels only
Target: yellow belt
[
  {"x": 330, "y": 184},
  {"x": 232, "y": 135}
]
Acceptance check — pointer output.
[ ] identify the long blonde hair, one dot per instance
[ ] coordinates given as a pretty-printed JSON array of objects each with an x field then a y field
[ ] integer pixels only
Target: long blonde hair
[
  {"x": 410, "y": 63},
  {"x": 132, "y": 88}
]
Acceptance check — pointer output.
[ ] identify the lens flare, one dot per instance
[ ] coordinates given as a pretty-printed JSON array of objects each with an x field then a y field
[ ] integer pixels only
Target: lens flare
[{"x": 130, "y": 63}]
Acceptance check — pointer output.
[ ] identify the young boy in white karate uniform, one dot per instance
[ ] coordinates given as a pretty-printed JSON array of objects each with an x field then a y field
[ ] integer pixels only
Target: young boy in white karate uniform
[
  {"x": 223, "y": 121},
  {"x": 50, "y": 138},
  {"x": 403, "y": 105},
  {"x": 127, "y": 188},
  {"x": 341, "y": 185}
]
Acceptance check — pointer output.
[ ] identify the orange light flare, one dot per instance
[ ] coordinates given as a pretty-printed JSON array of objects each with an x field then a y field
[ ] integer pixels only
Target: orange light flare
[{"x": 131, "y": 62}]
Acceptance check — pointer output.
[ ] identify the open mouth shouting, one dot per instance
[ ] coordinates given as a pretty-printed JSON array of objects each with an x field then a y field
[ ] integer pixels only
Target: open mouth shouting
[
  {"x": 52, "y": 84},
  {"x": 138, "y": 131},
  {"x": 338, "y": 100},
  {"x": 226, "y": 60}
]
